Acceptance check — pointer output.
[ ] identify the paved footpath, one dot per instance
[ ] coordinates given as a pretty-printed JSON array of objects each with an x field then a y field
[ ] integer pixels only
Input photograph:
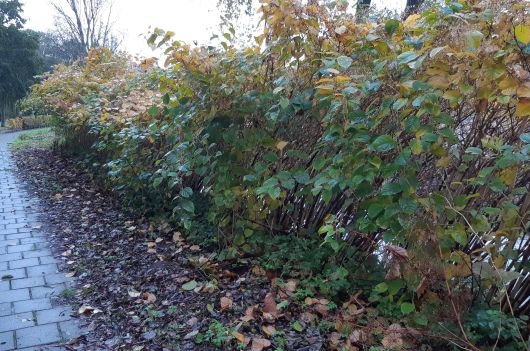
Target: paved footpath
[{"x": 29, "y": 278}]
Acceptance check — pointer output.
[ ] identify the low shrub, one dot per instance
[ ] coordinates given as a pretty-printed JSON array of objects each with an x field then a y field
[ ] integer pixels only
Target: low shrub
[{"x": 388, "y": 157}]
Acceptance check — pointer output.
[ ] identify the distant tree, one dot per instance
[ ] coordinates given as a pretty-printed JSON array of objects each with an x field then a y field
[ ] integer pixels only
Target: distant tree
[
  {"x": 10, "y": 13},
  {"x": 232, "y": 9},
  {"x": 19, "y": 60},
  {"x": 87, "y": 23},
  {"x": 53, "y": 50}
]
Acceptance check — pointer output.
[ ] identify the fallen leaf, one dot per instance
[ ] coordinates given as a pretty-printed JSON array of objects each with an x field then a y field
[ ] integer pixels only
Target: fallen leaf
[
  {"x": 269, "y": 305},
  {"x": 226, "y": 304},
  {"x": 195, "y": 248},
  {"x": 85, "y": 309},
  {"x": 249, "y": 314},
  {"x": 268, "y": 329},
  {"x": 397, "y": 251},
  {"x": 192, "y": 321},
  {"x": 133, "y": 293},
  {"x": 191, "y": 335},
  {"x": 177, "y": 237},
  {"x": 245, "y": 340},
  {"x": 259, "y": 344},
  {"x": 192, "y": 284},
  {"x": 148, "y": 297}
]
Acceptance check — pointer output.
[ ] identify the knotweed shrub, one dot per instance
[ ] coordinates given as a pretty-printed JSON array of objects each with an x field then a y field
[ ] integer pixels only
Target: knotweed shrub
[{"x": 400, "y": 146}]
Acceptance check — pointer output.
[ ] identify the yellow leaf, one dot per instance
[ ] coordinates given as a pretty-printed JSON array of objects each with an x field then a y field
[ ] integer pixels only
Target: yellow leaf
[
  {"x": 281, "y": 145},
  {"x": 508, "y": 86},
  {"x": 411, "y": 21},
  {"x": 508, "y": 175},
  {"x": 523, "y": 108},
  {"x": 522, "y": 33},
  {"x": 524, "y": 90},
  {"x": 342, "y": 79},
  {"x": 439, "y": 82}
]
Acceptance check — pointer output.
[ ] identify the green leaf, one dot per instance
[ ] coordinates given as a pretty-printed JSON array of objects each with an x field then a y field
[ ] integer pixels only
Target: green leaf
[
  {"x": 473, "y": 40},
  {"x": 473, "y": 151},
  {"x": 390, "y": 189},
  {"x": 407, "y": 308},
  {"x": 299, "y": 327},
  {"x": 406, "y": 57},
  {"x": 391, "y": 26},
  {"x": 153, "y": 111},
  {"x": 284, "y": 103},
  {"x": 187, "y": 205},
  {"x": 192, "y": 284},
  {"x": 186, "y": 192},
  {"x": 384, "y": 143},
  {"x": 344, "y": 61},
  {"x": 525, "y": 138},
  {"x": 399, "y": 104},
  {"x": 381, "y": 288}
]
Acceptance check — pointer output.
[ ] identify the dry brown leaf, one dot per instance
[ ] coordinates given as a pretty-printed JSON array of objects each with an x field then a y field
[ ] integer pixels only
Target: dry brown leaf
[
  {"x": 322, "y": 309},
  {"x": 195, "y": 248},
  {"x": 85, "y": 309},
  {"x": 268, "y": 329},
  {"x": 259, "y": 344},
  {"x": 269, "y": 305},
  {"x": 226, "y": 303},
  {"x": 177, "y": 237},
  {"x": 249, "y": 314},
  {"x": 148, "y": 297},
  {"x": 397, "y": 252},
  {"x": 422, "y": 286},
  {"x": 243, "y": 339}
]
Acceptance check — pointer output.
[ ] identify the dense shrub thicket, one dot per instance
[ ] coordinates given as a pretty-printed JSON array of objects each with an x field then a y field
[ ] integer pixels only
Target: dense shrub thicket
[{"x": 390, "y": 158}]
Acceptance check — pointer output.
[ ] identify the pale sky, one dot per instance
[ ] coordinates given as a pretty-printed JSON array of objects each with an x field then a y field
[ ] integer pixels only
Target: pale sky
[{"x": 189, "y": 19}]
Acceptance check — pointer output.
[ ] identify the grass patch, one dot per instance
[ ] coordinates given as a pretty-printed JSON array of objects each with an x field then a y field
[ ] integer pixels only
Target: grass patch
[{"x": 36, "y": 138}]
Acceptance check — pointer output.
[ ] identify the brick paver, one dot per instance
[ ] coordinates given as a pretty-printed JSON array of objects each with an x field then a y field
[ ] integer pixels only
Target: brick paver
[{"x": 30, "y": 318}]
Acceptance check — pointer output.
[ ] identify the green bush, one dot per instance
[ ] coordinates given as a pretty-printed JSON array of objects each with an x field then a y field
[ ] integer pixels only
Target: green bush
[{"x": 391, "y": 157}]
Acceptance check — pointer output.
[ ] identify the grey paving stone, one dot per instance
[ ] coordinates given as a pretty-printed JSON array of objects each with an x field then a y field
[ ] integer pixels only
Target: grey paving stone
[
  {"x": 33, "y": 240},
  {"x": 5, "y": 309},
  {"x": 18, "y": 236},
  {"x": 4, "y": 285},
  {"x": 16, "y": 321},
  {"x": 32, "y": 305},
  {"x": 48, "y": 259},
  {"x": 26, "y": 262},
  {"x": 42, "y": 269},
  {"x": 20, "y": 248},
  {"x": 10, "y": 257},
  {"x": 3, "y": 266},
  {"x": 13, "y": 273},
  {"x": 57, "y": 314},
  {"x": 37, "y": 253},
  {"x": 7, "y": 341},
  {"x": 14, "y": 295},
  {"x": 39, "y": 335},
  {"x": 57, "y": 278},
  {"x": 27, "y": 282},
  {"x": 47, "y": 291}
]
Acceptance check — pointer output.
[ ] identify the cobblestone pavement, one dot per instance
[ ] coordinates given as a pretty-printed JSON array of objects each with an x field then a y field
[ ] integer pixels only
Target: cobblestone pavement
[{"x": 29, "y": 317}]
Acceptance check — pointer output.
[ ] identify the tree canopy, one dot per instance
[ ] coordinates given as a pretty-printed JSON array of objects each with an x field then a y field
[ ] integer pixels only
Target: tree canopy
[{"x": 19, "y": 61}]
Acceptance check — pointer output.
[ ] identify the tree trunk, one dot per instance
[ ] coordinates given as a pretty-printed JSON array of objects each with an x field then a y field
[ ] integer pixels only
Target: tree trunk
[
  {"x": 412, "y": 7},
  {"x": 362, "y": 9}
]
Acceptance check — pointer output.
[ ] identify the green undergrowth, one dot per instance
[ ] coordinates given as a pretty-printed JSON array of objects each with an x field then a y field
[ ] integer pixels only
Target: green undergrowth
[{"x": 36, "y": 138}]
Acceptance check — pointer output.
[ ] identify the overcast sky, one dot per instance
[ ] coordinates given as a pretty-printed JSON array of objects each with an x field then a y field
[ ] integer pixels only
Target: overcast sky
[{"x": 189, "y": 19}]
